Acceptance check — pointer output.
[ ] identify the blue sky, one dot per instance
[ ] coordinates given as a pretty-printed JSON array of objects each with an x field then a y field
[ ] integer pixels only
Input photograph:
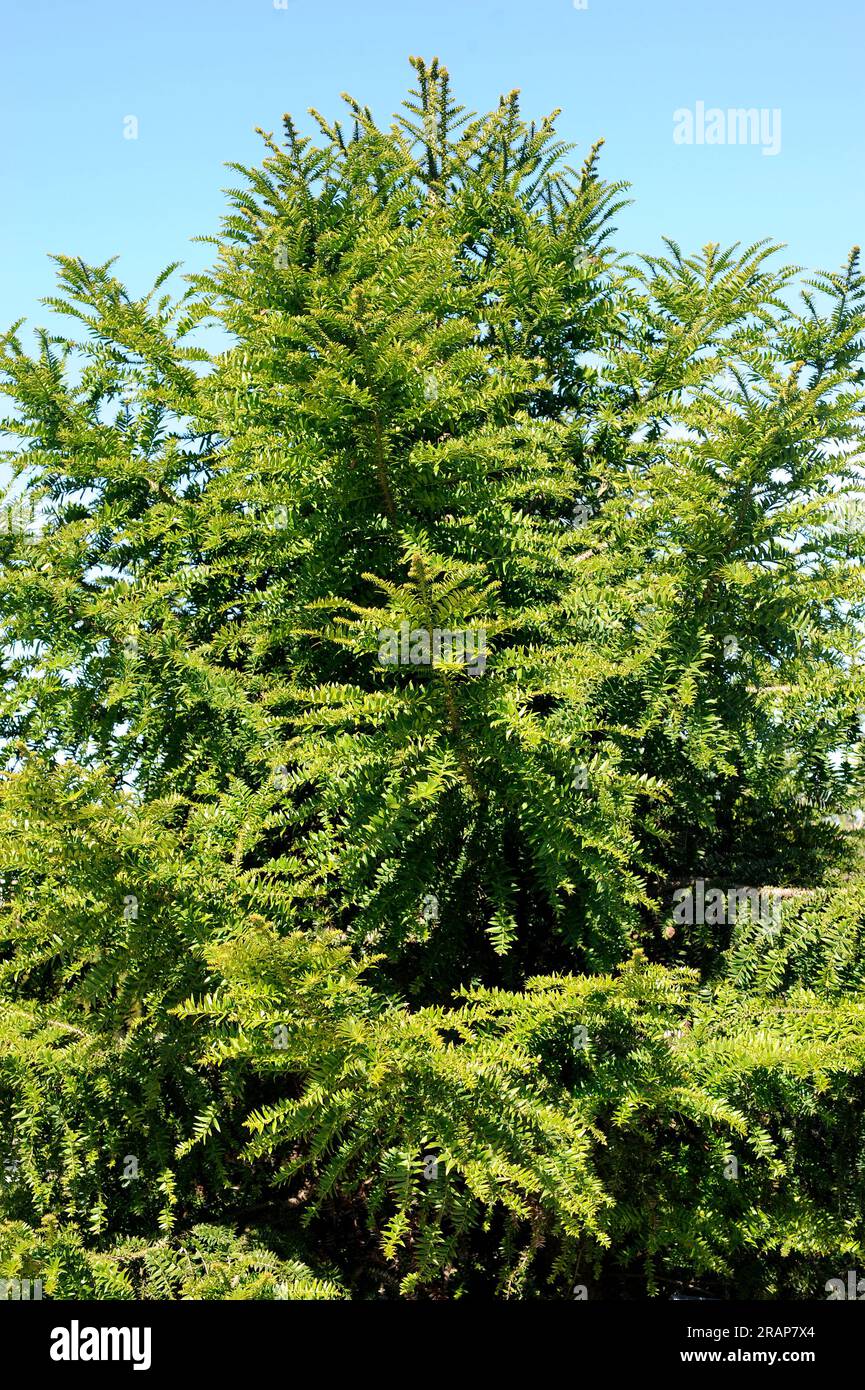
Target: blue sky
[{"x": 199, "y": 75}]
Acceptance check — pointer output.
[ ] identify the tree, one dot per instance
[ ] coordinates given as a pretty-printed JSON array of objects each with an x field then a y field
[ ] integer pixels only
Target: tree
[{"x": 375, "y": 690}]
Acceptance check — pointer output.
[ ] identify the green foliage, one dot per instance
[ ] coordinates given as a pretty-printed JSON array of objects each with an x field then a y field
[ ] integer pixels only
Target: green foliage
[
  {"x": 335, "y": 961},
  {"x": 210, "y": 1263}
]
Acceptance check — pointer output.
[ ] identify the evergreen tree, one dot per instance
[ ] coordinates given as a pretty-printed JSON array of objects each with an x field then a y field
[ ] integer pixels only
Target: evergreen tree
[{"x": 382, "y": 694}]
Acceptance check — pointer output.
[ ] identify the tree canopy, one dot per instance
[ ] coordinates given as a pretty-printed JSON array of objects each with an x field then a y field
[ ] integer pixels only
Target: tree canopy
[{"x": 375, "y": 685}]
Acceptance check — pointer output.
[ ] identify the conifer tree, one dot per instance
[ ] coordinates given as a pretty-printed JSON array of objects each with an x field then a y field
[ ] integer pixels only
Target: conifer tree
[{"x": 376, "y": 690}]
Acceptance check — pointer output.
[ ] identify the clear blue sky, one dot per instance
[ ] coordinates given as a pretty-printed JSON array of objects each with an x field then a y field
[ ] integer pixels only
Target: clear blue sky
[{"x": 200, "y": 74}]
